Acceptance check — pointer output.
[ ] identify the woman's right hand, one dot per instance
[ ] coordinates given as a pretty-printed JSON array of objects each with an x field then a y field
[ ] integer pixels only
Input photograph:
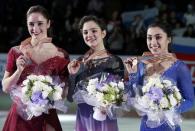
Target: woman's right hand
[
  {"x": 21, "y": 62},
  {"x": 73, "y": 67},
  {"x": 131, "y": 64}
]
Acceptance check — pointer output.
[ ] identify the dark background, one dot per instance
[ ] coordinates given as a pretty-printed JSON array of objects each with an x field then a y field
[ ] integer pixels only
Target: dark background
[{"x": 65, "y": 15}]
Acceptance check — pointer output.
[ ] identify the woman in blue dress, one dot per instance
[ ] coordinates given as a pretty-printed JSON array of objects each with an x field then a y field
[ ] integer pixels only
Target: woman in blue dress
[
  {"x": 160, "y": 61},
  {"x": 96, "y": 61}
]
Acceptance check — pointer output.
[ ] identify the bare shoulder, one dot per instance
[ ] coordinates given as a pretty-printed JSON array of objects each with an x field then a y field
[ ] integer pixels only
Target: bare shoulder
[{"x": 16, "y": 49}]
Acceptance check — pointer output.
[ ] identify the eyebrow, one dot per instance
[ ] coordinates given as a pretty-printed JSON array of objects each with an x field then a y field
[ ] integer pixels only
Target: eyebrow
[
  {"x": 35, "y": 21},
  {"x": 92, "y": 28},
  {"x": 154, "y": 35}
]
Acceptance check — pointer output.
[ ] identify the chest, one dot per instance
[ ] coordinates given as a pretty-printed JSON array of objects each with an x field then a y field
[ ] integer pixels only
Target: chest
[{"x": 42, "y": 53}]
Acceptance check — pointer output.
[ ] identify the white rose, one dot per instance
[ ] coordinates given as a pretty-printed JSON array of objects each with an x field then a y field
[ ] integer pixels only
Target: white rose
[
  {"x": 167, "y": 83},
  {"x": 32, "y": 77},
  {"x": 41, "y": 78},
  {"x": 57, "y": 96},
  {"x": 121, "y": 85},
  {"x": 24, "y": 89},
  {"x": 58, "y": 89},
  {"x": 164, "y": 103},
  {"x": 48, "y": 79},
  {"x": 25, "y": 98},
  {"x": 155, "y": 79},
  {"x": 175, "y": 88},
  {"x": 116, "y": 89},
  {"x": 178, "y": 95},
  {"x": 153, "y": 106},
  {"x": 117, "y": 96},
  {"x": 46, "y": 90},
  {"x": 45, "y": 94},
  {"x": 93, "y": 81},
  {"x": 173, "y": 101},
  {"x": 113, "y": 84},
  {"x": 25, "y": 82},
  {"x": 91, "y": 89},
  {"x": 38, "y": 86},
  {"x": 146, "y": 88},
  {"x": 100, "y": 97},
  {"x": 159, "y": 85},
  {"x": 105, "y": 87},
  {"x": 150, "y": 84}
]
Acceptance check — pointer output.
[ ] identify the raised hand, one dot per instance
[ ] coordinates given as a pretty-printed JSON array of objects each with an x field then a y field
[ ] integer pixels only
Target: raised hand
[
  {"x": 131, "y": 64},
  {"x": 21, "y": 62},
  {"x": 73, "y": 67}
]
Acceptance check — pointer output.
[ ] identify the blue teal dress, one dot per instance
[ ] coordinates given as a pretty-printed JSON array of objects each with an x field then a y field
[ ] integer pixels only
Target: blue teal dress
[{"x": 180, "y": 74}]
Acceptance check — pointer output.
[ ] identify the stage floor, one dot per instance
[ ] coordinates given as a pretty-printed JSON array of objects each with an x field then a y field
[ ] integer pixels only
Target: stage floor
[{"x": 125, "y": 124}]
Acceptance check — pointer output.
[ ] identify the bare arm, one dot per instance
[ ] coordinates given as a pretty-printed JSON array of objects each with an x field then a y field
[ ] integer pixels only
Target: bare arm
[{"x": 9, "y": 80}]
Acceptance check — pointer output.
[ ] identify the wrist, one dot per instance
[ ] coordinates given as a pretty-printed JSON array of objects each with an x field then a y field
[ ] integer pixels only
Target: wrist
[
  {"x": 18, "y": 71},
  {"x": 132, "y": 76}
]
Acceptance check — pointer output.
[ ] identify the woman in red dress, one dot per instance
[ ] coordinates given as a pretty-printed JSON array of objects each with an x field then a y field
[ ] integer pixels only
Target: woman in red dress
[{"x": 35, "y": 55}]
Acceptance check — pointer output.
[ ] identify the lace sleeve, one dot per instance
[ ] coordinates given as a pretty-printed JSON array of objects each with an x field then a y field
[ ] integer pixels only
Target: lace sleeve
[
  {"x": 117, "y": 66},
  {"x": 71, "y": 87},
  {"x": 72, "y": 84}
]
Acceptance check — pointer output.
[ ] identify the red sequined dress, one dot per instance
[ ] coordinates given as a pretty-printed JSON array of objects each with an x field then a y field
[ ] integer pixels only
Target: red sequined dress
[{"x": 55, "y": 65}]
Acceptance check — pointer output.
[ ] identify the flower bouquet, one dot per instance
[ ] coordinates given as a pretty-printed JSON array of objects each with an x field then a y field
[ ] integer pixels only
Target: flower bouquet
[
  {"x": 37, "y": 95},
  {"x": 104, "y": 92},
  {"x": 159, "y": 99}
]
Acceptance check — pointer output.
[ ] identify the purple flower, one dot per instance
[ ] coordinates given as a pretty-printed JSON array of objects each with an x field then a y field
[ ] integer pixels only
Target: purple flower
[
  {"x": 110, "y": 78},
  {"x": 99, "y": 86},
  {"x": 37, "y": 98},
  {"x": 155, "y": 94}
]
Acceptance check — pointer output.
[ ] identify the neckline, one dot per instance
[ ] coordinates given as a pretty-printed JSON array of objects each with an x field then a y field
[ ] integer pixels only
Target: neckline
[
  {"x": 163, "y": 72},
  {"x": 90, "y": 55},
  {"x": 174, "y": 63},
  {"x": 42, "y": 63},
  {"x": 101, "y": 58}
]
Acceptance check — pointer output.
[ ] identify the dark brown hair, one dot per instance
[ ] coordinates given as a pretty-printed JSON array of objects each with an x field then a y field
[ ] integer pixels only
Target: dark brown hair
[
  {"x": 38, "y": 9},
  {"x": 167, "y": 29},
  {"x": 88, "y": 18}
]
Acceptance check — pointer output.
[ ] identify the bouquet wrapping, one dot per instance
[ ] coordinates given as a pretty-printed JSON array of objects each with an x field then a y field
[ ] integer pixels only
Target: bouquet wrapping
[
  {"x": 104, "y": 92},
  {"x": 158, "y": 100},
  {"x": 38, "y": 94}
]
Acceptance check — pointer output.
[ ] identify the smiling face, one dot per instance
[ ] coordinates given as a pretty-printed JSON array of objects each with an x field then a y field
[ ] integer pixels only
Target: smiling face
[
  {"x": 93, "y": 35},
  {"x": 157, "y": 41},
  {"x": 37, "y": 25}
]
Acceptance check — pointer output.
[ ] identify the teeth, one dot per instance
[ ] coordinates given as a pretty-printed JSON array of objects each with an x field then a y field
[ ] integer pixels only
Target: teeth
[{"x": 91, "y": 40}]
